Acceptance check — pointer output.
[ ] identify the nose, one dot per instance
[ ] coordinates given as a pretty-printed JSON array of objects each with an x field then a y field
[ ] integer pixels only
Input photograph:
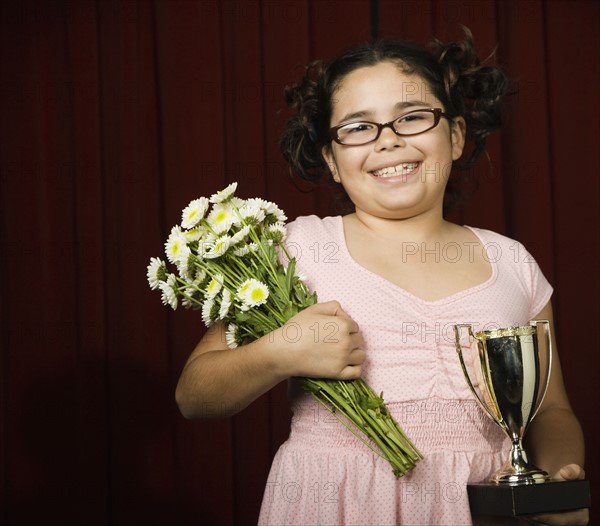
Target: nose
[{"x": 388, "y": 139}]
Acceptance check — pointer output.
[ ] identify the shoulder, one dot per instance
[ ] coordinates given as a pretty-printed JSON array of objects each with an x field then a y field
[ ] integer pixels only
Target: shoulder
[
  {"x": 314, "y": 221},
  {"x": 498, "y": 247},
  {"x": 312, "y": 240},
  {"x": 307, "y": 227},
  {"x": 489, "y": 237},
  {"x": 515, "y": 265}
]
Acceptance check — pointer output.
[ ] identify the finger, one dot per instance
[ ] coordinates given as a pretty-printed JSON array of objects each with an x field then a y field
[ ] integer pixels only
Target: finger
[
  {"x": 570, "y": 472},
  {"x": 357, "y": 357},
  {"x": 350, "y": 372},
  {"x": 566, "y": 518},
  {"x": 356, "y": 341}
]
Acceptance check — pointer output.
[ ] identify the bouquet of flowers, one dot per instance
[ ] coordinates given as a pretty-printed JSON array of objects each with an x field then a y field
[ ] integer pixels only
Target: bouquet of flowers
[{"x": 227, "y": 263}]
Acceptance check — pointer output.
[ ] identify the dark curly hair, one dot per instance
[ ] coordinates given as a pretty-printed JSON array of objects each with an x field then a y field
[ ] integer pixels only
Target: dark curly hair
[{"x": 452, "y": 71}]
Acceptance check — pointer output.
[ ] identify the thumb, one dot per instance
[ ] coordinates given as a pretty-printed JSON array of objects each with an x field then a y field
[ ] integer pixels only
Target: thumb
[{"x": 570, "y": 472}]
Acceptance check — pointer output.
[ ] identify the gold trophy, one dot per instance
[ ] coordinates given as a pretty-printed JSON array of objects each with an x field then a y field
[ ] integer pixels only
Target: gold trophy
[{"x": 508, "y": 371}]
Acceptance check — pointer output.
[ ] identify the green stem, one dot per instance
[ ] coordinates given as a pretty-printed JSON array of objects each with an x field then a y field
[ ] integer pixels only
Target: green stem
[{"x": 386, "y": 438}]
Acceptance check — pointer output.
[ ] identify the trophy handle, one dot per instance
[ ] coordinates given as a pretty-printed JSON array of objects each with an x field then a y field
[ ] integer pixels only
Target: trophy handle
[
  {"x": 457, "y": 329},
  {"x": 545, "y": 368}
]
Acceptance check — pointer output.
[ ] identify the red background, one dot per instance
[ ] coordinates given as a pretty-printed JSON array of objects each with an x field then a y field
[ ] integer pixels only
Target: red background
[{"x": 115, "y": 114}]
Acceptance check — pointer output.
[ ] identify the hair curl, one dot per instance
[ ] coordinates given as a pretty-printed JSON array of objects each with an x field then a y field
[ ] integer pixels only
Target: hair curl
[{"x": 453, "y": 72}]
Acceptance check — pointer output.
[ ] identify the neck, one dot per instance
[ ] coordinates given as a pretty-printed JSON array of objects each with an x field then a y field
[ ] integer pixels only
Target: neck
[{"x": 422, "y": 227}]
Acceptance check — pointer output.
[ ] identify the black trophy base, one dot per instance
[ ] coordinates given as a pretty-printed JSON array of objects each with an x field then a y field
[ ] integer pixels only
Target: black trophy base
[{"x": 509, "y": 501}]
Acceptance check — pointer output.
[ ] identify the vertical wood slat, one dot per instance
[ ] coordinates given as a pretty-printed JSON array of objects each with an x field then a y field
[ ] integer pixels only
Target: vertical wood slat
[
  {"x": 572, "y": 75},
  {"x": 191, "y": 106},
  {"x": 92, "y": 456}
]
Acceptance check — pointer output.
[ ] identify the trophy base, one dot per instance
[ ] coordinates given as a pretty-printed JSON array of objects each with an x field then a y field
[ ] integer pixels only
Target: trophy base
[
  {"x": 510, "y": 500},
  {"x": 514, "y": 478}
]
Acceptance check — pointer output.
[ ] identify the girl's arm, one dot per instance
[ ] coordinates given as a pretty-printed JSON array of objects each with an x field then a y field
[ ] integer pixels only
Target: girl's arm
[
  {"x": 217, "y": 381},
  {"x": 554, "y": 439}
]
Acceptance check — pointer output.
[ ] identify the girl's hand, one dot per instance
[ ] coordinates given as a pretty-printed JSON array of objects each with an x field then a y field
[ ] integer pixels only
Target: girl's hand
[
  {"x": 565, "y": 518},
  {"x": 321, "y": 341}
]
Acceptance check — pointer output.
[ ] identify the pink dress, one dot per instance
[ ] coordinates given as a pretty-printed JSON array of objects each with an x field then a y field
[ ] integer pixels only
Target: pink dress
[{"x": 324, "y": 475}]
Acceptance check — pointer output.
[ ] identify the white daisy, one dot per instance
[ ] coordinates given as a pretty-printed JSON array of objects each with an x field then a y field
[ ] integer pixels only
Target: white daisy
[
  {"x": 258, "y": 201},
  {"x": 232, "y": 336},
  {"x": 274, "y": 210},
  {"x": 278, "y": 232},
  {"x": 207, "y": 311},
  {"x": 157, "y": 272},
  {"x": 218, "y": 248},
  {"x": 301, "y": 277},
  {"x": 193, "y": 235},
  {"x": 191, "y": 297},
  {"x": 240, "y": 252},
  {"x": 186, "y": 267},
  {"x": 224, "y": 195},
  {"x": 253, "y": 293},
  {"x": 176, "y": 246},
  {"x": 215, "y": 286},
  {"x": 186, "y": 302},
  {"x": 225, "y": 304},
  {"x": 169, "y": 291},
  {"x": 205, "y": 245},
  {"x": 237, "y": 202},
  {"x": 240, "y": 235},
  {"x": 252, "y": 212},
  {"x": 199, "y": 278},
  {"x": 193, "y": 213},
  {"x": 220, "y": 218}
]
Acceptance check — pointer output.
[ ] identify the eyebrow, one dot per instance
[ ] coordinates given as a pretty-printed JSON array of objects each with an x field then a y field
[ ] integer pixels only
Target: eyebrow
[{"x": 397, "y": 106}]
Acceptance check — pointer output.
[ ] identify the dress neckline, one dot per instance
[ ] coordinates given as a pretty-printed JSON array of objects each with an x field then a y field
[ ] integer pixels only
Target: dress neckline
[{"x": 455, "y": 296}]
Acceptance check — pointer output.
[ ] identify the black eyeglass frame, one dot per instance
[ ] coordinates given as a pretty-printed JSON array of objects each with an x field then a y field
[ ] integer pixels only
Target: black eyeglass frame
[{"x": 437, "y": 113}]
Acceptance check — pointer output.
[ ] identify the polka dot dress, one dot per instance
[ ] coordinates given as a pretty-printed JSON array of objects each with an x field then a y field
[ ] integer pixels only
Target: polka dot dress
[{"x": 323, "y": 475}]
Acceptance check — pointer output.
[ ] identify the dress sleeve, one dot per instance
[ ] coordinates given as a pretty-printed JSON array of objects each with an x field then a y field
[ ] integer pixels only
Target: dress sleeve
[{"x": 539, "y": 287}]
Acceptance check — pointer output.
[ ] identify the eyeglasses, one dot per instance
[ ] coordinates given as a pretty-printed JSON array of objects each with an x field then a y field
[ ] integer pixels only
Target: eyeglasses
[{"x": 410, "y": 123}]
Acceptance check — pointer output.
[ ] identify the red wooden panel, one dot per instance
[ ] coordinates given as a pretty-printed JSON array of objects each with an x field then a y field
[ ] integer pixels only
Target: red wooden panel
[
  {"x": 573, "y": 66},
  {"x": 40, "y": 353},
  {"x": 139, "y": 389}
]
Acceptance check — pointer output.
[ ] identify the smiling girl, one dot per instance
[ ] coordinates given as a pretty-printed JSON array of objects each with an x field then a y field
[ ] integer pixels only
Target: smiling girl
[{"x": 387, "y": 121}]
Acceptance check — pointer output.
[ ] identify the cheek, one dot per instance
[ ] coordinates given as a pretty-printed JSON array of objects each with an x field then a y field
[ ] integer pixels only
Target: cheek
[{"x": 351, "y": 161}]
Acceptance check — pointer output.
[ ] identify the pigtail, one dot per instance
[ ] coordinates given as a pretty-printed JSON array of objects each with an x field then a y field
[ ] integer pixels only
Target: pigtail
[
  {"x": 475, "y": 90},
  {"x": 299, "y": 141}
]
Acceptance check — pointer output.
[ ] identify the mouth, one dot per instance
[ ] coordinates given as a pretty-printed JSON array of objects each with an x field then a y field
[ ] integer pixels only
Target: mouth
[{"x": 399, "y": 169}]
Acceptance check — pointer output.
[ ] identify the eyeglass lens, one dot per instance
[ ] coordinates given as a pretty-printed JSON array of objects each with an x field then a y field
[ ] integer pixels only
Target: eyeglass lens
[{"x": 412, "y": 123}]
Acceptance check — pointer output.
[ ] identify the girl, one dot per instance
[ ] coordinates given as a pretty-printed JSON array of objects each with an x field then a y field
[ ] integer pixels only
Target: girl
[{"x": 387, "y": 121}]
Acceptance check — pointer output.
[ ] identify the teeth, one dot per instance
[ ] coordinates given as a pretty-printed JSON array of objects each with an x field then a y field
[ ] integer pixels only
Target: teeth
[{"x": 399, "y": 169}]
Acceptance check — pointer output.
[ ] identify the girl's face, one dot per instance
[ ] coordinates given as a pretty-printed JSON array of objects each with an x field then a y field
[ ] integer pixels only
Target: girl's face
[{"x": 393, "y": 177}]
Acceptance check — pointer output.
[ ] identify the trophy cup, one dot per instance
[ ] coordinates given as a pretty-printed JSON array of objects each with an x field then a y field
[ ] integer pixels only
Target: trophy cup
[{"x": 508, "y": 371}]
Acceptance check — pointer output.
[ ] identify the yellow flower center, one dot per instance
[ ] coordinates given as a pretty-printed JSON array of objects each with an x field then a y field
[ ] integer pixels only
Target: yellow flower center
[
  {"x": 221, "y": 216},
  {"x": 212, "y": 285},
  {"x": 257, "y": 294}
]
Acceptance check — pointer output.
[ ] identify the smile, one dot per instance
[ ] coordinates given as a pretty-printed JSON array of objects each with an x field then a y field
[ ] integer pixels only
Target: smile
[{"x": 399, "y": 169}]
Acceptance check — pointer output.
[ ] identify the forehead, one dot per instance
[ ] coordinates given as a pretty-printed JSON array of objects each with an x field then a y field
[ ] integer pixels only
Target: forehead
[{"x": 379, "y": 87}]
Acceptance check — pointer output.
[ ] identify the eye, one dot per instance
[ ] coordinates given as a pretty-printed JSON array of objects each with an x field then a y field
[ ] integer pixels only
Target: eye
[
  {"x": 356, "y": 127},
  {"x": 414, "y": 116}
]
